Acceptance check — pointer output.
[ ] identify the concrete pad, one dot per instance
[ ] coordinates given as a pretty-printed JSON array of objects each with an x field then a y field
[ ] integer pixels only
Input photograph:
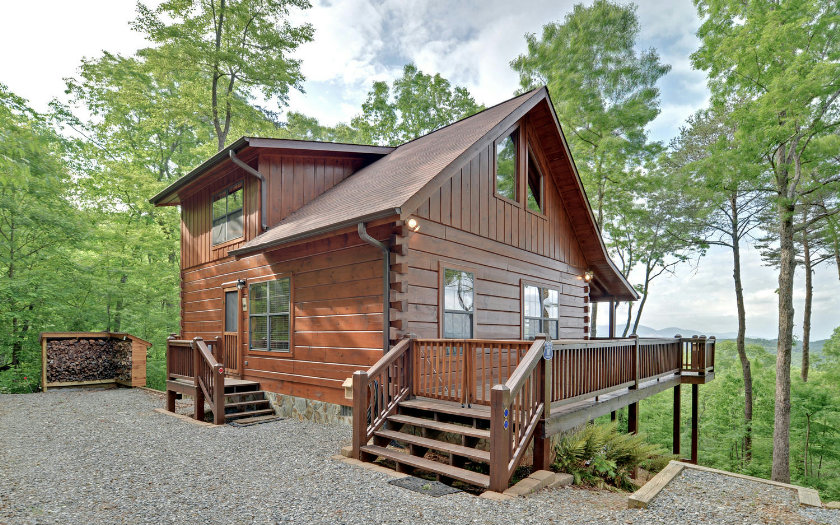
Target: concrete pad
[
  {"x": 186, "y": 418},
  {"x": 834, "y": 505},
  {"x": 495, "y": 496}
]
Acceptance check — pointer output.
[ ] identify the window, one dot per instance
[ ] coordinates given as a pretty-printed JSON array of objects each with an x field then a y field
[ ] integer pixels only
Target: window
[
  {"x": 458, "y": 292},
  {"x": 227, "y": 215},
  {"x": 542, "y": 311},
  {"x": 269, "y": 315},
  {"x": 535, "y": 186},
  {"x": 507, "y": 166},
  {"x": 231, "y": 310}
]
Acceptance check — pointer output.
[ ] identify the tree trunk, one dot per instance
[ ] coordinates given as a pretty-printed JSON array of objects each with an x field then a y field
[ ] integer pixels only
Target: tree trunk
[
  {"x": 781, "y": 421},
  {"x": 643, "y": 301},
  {"x": 809, "y": 295},
  {"x": 740, "y": 340},
  {"x": 807, "y": 440},
  {"x": 214, "y": 100},
  {"x": 629, "y": 318}
]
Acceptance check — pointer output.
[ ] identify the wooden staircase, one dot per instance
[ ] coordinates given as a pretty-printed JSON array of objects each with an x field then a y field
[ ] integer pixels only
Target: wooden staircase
[
  {"x": 245, "y": 402},
  {"x": 427, "y": 430}
]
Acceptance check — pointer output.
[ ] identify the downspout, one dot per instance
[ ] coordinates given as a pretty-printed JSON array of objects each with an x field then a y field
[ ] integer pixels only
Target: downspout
[
  {"x": 386, "y": 285},
  {"x": 263, "y": 188}
]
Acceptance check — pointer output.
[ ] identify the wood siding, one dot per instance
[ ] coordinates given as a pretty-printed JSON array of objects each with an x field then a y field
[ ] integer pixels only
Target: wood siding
[
  {"x": 464, "y": 224},
  {"x": 337, "y": 305}
]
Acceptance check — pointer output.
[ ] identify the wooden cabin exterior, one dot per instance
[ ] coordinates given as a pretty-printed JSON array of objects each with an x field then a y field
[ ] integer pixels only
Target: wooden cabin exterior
[{"x": 307, "y": 262}]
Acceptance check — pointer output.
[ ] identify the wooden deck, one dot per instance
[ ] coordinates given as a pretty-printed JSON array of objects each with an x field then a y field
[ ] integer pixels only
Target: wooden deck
[{"x": 496, "y": 398}]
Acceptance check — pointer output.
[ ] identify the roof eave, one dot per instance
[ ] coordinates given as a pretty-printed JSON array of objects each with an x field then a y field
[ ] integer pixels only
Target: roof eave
[{"x": 389, "y": 212}]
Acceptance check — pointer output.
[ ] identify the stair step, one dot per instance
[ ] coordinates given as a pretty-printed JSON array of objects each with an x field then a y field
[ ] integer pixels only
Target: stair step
[
  {"x": 468, "y": 476},
  {"x": 453, "y": 409},
  {"x": 245, "y": 421},
  {"x": 434, "y": 444},
  {"x": 237, "y": 415},
  {"x": 442, "y": 427},
  {"x": 260, "y": 393},
  {"x": 239, "y": 404}
]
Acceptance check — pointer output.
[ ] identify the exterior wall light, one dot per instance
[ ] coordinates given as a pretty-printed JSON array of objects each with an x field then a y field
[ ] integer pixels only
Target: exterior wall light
[
  {"x": 412, "y": 223},
  {"x": 240, "y": 284},
  {"x": 588, "y": 275}
]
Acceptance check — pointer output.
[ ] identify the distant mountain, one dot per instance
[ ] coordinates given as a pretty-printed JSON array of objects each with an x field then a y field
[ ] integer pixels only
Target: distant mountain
[{"x": 646, "y": 331}]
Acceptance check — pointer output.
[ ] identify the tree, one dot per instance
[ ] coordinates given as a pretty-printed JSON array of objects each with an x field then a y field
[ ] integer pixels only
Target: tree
[
  {"x": 716, "y": 172},
  {"x": 414, "y": 105},
  {"x": 604, "y": 93},
  {"x": 225, "y": 49},
  {"x": 780, "y": 60},
  {"x": 38, "y": 222}
]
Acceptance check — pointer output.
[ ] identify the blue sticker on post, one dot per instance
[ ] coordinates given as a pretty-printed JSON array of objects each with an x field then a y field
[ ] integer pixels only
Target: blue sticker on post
[
  {"x": 548, "y": 350},
  {"x": 506, "y": 412},
  {"x": 506, "y": 424}
]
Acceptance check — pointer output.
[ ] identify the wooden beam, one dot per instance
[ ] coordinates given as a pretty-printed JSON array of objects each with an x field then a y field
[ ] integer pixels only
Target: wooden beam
[
  {"x": 633, "y": 418},
  {"x": 571, "y": 416},
  {"x": 695, "y": 423},
  {"x": 677, "y": 420}
]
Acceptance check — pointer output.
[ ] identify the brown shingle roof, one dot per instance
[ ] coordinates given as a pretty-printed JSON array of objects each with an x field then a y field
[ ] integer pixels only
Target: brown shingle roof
[{"x": 384, "y": 186}]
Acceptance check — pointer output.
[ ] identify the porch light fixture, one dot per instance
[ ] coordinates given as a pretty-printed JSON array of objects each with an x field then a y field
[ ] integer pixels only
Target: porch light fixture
[
  {"x": 588, "y": 275},
  {"x": 240, "y": 284},
  {"x": 412, "y": 223}
]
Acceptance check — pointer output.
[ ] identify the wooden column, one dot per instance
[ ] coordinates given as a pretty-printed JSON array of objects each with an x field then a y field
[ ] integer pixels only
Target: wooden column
[
  {"x": 633, "y": 408},
  {"x": 612, "y": 416},
  {"x": 633, "y": 418},
  {"x": 695, "y": 421},
  {"x": 500, "y": 448},
  {"x": 542, "y": 443},
  {"x": 198, "y": 412},
  {"x": 612, "y": 320},
  {"x": 677, "y": 420},
  {"x": 360, "y": 410}
]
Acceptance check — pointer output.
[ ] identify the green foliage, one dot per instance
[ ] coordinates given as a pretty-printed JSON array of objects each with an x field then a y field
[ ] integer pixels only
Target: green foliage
[
  {"x": 232, "y": 47},
  {"x": 415, "y": 104},
  {"x": 599, "y": 454},
  {"x": 722, "y": 418}
]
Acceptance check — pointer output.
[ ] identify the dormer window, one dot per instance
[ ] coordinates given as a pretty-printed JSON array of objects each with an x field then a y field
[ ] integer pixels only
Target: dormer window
[
  {"x": 507, "y": 166},
  {"x": 227, "y": 215}
]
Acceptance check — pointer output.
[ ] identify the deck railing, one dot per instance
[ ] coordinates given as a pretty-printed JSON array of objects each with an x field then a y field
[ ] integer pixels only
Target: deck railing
[
  {"x": 195, "y": 361},
  {"x": 378, "y": 391},
  {"x": 516, "y": 408},
  {"x": 519, "y": 380}
]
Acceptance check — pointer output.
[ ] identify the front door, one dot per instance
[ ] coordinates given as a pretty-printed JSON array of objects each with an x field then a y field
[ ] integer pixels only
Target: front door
[{"x": 230, "y": 335}]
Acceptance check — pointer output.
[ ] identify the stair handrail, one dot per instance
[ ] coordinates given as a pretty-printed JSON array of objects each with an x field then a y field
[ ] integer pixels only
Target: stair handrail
[
  {"x": 209, "y": 381},
  {"x": 389, "y": 391},
  {"x": 509, "y": 413}
]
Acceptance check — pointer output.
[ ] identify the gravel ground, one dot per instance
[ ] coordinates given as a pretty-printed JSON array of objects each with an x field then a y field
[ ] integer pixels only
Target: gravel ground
[{"x": 104, "y": 456}]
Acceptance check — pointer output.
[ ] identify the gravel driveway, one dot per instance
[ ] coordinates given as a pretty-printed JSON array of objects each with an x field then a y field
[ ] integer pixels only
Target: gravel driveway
[{"x": 104, "y": 456}]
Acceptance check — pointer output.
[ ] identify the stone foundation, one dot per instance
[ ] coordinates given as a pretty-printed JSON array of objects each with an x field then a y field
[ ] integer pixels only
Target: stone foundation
[{"x": 307, "y": 409}]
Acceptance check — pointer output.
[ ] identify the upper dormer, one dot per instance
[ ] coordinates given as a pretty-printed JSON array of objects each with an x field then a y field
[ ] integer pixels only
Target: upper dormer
[{"x": 252, "y": 185}]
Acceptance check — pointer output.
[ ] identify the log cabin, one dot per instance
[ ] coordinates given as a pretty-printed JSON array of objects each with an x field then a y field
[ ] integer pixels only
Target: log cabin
[{"x": 450, "y": 277}]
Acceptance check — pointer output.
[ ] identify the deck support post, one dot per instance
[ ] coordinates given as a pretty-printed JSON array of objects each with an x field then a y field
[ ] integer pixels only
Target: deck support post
[
  {"x": 198, "y": 413},
  {"x": 170, "y": 400},
  {"x": 695, "y": 423},
  {"x": 542, "y": 442},
  {"x": 500, "y": 429},
  {"x": 612, "y": 416},
  {"x": 612, "y": 320},
  {"x": 633, "y": 418},
  {"x": 360, "y": 412},
  {"x": 677, "y": 420}
]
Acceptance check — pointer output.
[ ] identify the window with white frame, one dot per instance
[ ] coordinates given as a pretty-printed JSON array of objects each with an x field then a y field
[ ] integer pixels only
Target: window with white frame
[
  {"x": 542, "y": 311},
  {"x": 268, "y": 316},
  {"x": 458, "y": 304}
]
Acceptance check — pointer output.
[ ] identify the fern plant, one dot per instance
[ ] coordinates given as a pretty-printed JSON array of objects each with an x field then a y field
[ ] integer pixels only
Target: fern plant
[{"x": 600, "y": 455}]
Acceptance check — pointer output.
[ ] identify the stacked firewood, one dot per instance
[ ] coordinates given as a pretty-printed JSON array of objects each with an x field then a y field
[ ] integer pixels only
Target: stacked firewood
[{"x": 88, "y": 360}]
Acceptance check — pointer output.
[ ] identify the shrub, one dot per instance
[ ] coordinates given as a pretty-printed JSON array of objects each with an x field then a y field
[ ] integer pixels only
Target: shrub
[
  {"x": 23, "y": 380},
  {"x": 598, "y": 454}
]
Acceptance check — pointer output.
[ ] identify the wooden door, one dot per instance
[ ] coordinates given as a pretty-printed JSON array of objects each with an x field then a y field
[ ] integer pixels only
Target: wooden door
[{"x": 230, "y": 334}]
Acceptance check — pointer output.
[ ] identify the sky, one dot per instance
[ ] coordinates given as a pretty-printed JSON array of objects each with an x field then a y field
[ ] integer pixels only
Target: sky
[{"x": 469, "y": 42}]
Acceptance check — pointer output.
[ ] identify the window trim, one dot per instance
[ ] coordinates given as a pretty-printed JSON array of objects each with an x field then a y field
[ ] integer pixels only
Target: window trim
[
  {"x": 442, "y": 265},
  {"x": 227, "y": 190},
  {"x": 539, "y": 284},
  {"x": 530, "y": 151},
  {"x": 518, "y": 175},
  {"x": 246, "y": 329}
]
